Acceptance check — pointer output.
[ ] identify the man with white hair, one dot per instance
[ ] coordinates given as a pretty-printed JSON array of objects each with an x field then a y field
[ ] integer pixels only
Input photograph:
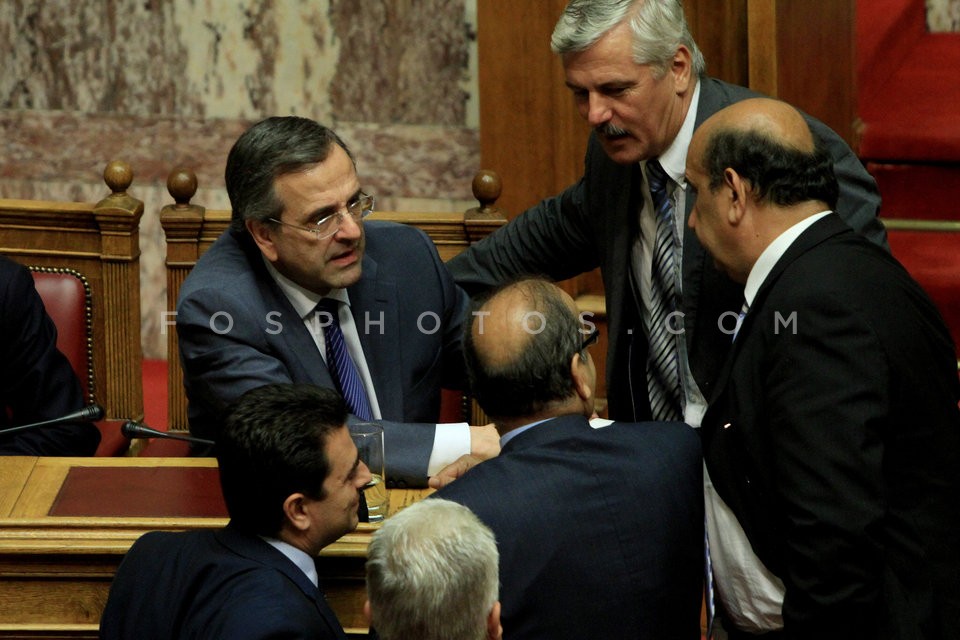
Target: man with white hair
[{"x": 432, "y": 575}]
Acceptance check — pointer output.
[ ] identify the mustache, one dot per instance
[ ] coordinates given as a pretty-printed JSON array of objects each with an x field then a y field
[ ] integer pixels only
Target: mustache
[{"x": 610, "y": 129}]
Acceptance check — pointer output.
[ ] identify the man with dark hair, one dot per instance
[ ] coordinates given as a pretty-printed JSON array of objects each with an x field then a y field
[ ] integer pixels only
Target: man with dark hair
[
  {"x": 833, "y": 435},
  {"x": 600, "y": 530},
  {"x": 37, "y": 382},
  {"x": 638, "y": 79},
  {"x": 301, "y": 289},
  {"x": 291, "y": 479}
]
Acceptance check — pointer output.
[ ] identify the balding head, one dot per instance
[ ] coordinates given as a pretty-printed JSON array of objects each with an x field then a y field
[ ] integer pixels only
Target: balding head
[
  {"x": 756, "y": 170},
  {"x": 769, "y": 144},
  {"x": 520, "y": 348},
  {"x": 772, "y": 119}
]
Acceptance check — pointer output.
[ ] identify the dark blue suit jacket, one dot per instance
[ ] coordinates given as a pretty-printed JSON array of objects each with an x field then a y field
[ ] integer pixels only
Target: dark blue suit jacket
[
  {"x": 37, "y": 382},
  {"x": 600, "y": 531},
  {"x": 407, "y": 310},
  {"x": 213, "y": 584},
  {"x": 594, "y": 223}
]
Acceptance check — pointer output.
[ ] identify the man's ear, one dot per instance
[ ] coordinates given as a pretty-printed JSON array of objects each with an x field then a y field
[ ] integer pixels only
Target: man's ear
[
  {"x": 580, "y": 373},
  {"x": 295, "y": 513},
  {"x": 739, "y": 193},
  {"x": 262, "y": 234},
  {"x": 366, "y": 612},
  {"x": 494, "y": 628},
  {"x": 681, "y": 69}
]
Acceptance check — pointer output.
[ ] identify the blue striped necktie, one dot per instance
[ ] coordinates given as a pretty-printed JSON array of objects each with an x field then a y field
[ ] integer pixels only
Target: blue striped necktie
[
  {"x": 663, "y": 356},
  {"x": 341, "y": 365}
]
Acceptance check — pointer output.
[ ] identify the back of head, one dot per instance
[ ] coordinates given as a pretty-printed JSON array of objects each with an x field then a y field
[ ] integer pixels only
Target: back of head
[
  {"x": 770, "y": 145},
  {"x": 271, "y": 446},
  {"x": 432, "y": 574},
  {"x": 659, "y": 28},
  {"x": 518, "y": 349},
  {"x": 269, "y": 149}
]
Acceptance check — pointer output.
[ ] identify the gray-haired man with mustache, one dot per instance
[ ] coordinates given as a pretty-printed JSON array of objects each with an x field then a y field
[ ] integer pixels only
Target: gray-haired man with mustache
[{"x": 638, "y": 79}]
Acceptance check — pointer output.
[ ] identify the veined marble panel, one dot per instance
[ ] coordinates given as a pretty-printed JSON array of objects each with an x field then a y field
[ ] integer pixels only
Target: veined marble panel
[
  {"x": 943, "y": 16},
  {"x": 389, "y": 61},
  {"x": 397, "y": 160}
]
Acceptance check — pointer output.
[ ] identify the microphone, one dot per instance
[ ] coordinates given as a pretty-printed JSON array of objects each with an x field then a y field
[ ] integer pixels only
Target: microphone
[
  {"x": 90, "y": 413},
  {"x": 133, "y": 429}
]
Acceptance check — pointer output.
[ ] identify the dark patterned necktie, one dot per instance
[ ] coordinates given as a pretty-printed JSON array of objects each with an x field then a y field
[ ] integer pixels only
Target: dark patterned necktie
[
  {"x": 341, "y": 365},
  {"x": 663, "y": 358}
]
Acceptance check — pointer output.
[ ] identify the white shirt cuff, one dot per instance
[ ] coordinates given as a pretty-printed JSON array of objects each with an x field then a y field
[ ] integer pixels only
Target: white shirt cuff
[{"x": 451, "y": 440}]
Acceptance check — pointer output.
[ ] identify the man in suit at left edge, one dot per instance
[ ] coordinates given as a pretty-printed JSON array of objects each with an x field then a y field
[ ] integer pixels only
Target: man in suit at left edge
[
  {"x": 37, "y": 382},
  {"x": 299, "y": 265},
  {"x": 291, "y": 480}
]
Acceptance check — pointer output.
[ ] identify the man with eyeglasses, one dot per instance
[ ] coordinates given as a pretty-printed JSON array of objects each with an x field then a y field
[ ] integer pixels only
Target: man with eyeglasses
[
  {"x": 600, "y": 528},
  {"x": 301, "y": 289}
]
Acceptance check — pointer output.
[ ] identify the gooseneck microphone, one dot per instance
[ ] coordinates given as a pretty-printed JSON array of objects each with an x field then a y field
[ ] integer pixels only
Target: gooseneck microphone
[
  {"x": 133, "y": 429},
  {"x": 90, "y": 413}
]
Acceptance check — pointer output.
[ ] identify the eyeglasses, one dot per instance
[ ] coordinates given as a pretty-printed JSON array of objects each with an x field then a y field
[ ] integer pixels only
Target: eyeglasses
[
  {"x": 329, "y": 225},
  {"x": 590, "y": 340}
]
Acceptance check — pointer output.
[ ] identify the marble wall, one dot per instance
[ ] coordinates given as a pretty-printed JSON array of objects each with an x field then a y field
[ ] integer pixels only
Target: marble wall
[
  {"x": 943, "y": 16},
  {"x": 161, "y": 83}
]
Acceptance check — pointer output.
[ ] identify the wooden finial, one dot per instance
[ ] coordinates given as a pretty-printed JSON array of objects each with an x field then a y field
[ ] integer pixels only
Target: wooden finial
[
  {"x": 486, "y": 187},
  {"x": 118, "y": 175},
  {"x": 182, "y": 185}
]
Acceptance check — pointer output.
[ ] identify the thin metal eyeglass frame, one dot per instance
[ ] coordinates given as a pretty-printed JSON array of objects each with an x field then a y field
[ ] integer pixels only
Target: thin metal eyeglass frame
[
  {"x": 590, "y": 340},
  {"x": 338, "y": 216}
]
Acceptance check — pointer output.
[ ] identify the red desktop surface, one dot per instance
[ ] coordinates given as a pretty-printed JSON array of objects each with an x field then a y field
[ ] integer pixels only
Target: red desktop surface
[{"x": 163, "y": 492}]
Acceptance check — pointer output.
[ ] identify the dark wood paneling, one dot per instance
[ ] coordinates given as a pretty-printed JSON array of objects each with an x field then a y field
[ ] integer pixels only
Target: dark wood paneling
[
  {"x": 815, "y": 60},
  {"x": 720, "y": 30},
  {"x": 530, "y": 132}
]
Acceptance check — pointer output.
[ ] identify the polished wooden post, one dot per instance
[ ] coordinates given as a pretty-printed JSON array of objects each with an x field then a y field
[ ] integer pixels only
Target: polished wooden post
[
  {"x": 182, "y": 223},
  {"x": 118, "y": 216}
]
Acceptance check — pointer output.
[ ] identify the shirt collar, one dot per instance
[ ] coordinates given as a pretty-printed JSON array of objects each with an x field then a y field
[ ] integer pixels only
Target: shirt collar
[
  {"x": 510, "y": 435},
  {"x": 301, "y": 558},
  {"x": 674, "y": 159},
  {"x": 772, "y": 254},
  {"x": 303, "y": 300}
]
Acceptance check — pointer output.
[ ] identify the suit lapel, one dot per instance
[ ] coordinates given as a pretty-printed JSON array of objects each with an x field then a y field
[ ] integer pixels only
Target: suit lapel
[
  {"x": 297, "y": 342},
  {"x": 816, "y": 234},
  {"x": 374, "y": 303}
]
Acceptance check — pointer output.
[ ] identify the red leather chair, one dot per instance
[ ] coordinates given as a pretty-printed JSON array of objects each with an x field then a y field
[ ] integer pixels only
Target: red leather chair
[{"x": 66, "y": 296}]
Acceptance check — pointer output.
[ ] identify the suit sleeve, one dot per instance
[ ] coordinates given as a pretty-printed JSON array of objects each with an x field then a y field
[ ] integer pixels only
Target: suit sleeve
[
  {"x": 409, "y": 446},
  {"x": 224, "y": 353},
  {"x": 827, "y": 401},
  {"x": 552, "y": 239},
  {"x": 37, "y": 382}
]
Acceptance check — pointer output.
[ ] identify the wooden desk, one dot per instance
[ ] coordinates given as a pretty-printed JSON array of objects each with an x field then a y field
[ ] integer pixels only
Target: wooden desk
[{"x": 56, "y": 569}]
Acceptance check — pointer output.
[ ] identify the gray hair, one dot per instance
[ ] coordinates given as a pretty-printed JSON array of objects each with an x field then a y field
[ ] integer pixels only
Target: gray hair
[
  {"x": 659, "y": 28},
  {"x": 432, "y": 573}
]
